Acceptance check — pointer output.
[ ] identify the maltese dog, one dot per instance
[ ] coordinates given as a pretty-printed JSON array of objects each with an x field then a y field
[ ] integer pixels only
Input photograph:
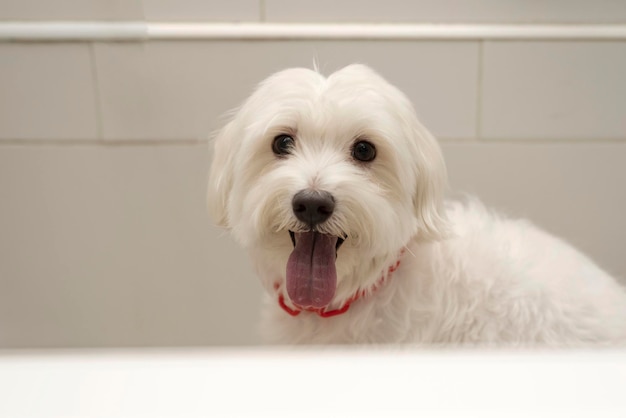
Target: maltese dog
[{"x": 335, "y": 190}]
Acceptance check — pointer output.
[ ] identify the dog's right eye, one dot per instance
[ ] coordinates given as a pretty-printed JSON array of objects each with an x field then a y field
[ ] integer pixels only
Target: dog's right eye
[{"x": 283, "y": 144}]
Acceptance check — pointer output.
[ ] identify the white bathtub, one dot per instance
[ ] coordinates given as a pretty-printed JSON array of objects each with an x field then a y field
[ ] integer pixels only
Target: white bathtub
[{"x": 306, "y": 382}]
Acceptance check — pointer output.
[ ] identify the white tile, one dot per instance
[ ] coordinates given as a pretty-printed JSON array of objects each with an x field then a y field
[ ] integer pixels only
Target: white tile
[
  {"x": 554, "y": 90},
  {"x": 477, "y": 11},
  {"x": 112, "y": 246},
  {"x": 169, "y": 90},
  {"x": 202, "y": 10},
  {"x": 438, "y": 77},
  {"x": 48, "y": 92},
  {"x": 179, "y": 90},
  {"x": 574, "y": 191},
  {"x": 71, "y": 10}
]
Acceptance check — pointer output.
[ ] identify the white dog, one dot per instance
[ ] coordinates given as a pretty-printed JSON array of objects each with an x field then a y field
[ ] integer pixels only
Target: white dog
[{"x": 336, "y": 191}]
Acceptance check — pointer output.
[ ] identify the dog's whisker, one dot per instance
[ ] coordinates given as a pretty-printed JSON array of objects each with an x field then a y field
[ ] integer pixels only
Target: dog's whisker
[{"x": 408, "y": 250}]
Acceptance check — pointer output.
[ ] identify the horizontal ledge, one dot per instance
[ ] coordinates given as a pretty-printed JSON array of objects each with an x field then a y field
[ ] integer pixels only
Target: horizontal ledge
[
  {"x": 146, "y": 31},
  {"x": 73, "y": 31}
]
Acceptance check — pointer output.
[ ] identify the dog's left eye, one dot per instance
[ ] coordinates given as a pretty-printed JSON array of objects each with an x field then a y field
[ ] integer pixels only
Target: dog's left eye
[
  {"x": 283, "y": 144},
  {"x": 364, "y": 151}
]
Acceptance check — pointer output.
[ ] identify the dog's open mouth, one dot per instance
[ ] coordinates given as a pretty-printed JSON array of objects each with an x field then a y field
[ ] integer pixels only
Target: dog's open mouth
[{"x": 311, "y": 271}]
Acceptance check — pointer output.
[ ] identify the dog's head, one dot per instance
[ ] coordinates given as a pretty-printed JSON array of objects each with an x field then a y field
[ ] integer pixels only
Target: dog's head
[{"x": 324, "y": 180}]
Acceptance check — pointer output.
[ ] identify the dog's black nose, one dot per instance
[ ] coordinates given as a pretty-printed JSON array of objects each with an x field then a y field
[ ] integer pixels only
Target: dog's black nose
[{"x": 312, "y": 206}]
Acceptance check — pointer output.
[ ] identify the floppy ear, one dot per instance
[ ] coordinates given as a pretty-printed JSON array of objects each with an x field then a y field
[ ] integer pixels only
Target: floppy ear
[
  {"x": 221, "y": 175},
  {"x": 431, "y": 186}
]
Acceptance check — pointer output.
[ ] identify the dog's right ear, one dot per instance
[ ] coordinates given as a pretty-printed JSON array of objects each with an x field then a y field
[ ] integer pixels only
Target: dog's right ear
[{"x": 221, "y": 175}]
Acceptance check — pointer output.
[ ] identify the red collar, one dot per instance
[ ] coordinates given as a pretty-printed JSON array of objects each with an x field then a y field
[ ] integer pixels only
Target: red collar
[{"x": 322, "y": 312}]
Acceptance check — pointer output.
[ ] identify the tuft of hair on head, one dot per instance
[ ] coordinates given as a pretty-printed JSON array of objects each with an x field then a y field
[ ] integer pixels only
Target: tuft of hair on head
[{"x": 316, "y": 64}]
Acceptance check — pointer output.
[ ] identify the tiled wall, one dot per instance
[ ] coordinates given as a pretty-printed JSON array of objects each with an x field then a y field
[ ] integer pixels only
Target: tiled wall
[
  {"x": 103, "y": 159},
  {"x": 483, "y": 11},
  {"x": 162, "y": 90}
]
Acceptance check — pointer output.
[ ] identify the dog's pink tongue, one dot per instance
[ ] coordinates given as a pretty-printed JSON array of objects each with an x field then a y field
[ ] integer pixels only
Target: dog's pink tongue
[{"x": 311, "y": 273}]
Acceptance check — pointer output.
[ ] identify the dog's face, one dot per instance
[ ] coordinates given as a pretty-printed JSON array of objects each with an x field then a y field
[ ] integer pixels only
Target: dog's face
[{"x": 324, "y": 180}]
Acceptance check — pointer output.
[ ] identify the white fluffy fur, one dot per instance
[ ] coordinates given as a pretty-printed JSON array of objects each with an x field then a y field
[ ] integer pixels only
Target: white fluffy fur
[{"x": 467, "y": 275}]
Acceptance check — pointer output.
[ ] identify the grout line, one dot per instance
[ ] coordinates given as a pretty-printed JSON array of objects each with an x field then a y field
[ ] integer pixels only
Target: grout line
[
  {"x": 102, "y": 142},
  {"x": 537, "y": 141},
  {"x": 203, "y": 142}
]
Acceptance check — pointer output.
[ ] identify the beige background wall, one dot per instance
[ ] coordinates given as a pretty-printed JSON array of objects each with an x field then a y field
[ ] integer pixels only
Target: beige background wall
[{"x": 104, "y": 240}]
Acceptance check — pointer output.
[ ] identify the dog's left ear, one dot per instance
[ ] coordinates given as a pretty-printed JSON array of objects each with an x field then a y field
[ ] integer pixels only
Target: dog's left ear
[
  {"x": 221, "y": 175},
  {"x": 428, "y": 200}
]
